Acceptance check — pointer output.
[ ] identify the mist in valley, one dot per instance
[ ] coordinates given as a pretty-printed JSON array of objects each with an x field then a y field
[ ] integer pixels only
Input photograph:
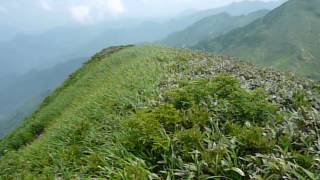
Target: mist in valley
[{"x": 43, "y": 41}]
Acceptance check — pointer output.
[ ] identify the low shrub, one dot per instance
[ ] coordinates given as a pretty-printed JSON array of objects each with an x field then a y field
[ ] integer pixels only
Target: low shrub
[
  {"x": 178, "y": 127},
  {"x": 252, "y": 139}
]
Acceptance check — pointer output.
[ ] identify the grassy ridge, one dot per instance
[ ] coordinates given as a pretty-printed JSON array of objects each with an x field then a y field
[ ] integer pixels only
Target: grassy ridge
[
  {"x": 50, "y": 108},
  {"x": 153, "y": 112},
  {"x": 99, "y": 83}
]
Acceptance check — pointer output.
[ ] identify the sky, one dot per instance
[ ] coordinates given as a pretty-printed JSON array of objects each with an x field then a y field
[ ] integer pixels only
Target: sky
[{"x": 91, "y": 11}]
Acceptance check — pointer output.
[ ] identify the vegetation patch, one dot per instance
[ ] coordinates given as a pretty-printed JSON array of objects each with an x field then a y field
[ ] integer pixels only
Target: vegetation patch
[
  {"x": 149, "y": 112},
  {"x": 178, "y": 129},
  {"x": 300, "y": 100}
]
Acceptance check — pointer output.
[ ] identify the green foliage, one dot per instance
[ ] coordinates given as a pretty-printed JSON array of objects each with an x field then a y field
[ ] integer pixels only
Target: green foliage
[
  {"x": 178, "y": 126},
  {"x": 232, "y": 102},
  {"x": 189, "y": 140},
  {"x": 134, "y": 170},
  {"x": 317, "y": 88},
  {"x": 157, "y": 113},
  {"x": 144, "y": 132},
  {"x": 304, "y": 160},
  {"x": 300, "y": 100},
  {"x": 252, "y": 139}
]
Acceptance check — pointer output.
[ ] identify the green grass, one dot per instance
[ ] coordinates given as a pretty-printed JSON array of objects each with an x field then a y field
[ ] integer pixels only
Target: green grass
[
  {"x": 82, "y": 107},
  {"x": 150, "y": 112}
]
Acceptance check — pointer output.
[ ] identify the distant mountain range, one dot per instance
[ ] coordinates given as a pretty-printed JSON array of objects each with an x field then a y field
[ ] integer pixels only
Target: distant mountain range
[
  {"x": 40, "y": 50},
  {"x": 286, "y": 38},
  {"x": 28, "y": 70},
  {"x": 20, "y": 95},
  {"x": 210, "y": 27},
  {"x": 154, "y": 112},
  {"x": 241, "y": 8}
]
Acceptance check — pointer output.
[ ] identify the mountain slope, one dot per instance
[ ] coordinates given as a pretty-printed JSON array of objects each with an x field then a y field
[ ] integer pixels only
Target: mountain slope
[
  {"x": 209, "y": 28},
  {"x": 286, "y": 38},
  {"x": 39, "y": 51},
  {"x": 9, "y": 122},
  {"x": 234, "y": 9},
  {"x": 21, "y": 95},
  {"x": 150, "y": 112}
]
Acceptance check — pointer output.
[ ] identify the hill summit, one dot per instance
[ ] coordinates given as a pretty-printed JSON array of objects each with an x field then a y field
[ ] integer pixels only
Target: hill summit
[
  {"x": 150, "y": 112},
  {"x": 286, "y": 38}
]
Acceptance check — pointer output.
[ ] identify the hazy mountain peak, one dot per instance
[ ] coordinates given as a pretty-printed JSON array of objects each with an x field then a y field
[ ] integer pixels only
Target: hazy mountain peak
[{"x": 285, "y": 38}]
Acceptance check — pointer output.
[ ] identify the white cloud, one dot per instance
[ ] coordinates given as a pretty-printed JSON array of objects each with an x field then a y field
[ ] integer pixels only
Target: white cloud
[
  {"x": 46, "y": 5},
  {"x": 81, "y": 13},
  {"x": 85, "y": 11},
  {"x": 116, "y": 6},
  {"x": 96, "y": 10},
  {"x": 91, "y": 11}
]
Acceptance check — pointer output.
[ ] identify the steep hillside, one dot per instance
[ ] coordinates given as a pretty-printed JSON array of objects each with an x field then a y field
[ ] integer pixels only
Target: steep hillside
[
  {"x": 150, "y": 112},
  {"x": 21, "y": 94},
  {"x": 209, "y": 28},
  {"x": 286, "y": 38},
  {"x": 12, "y": 120}
]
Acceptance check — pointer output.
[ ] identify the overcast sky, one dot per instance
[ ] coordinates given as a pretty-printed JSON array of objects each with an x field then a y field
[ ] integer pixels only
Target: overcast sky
[{"x": 89, "y": 11}]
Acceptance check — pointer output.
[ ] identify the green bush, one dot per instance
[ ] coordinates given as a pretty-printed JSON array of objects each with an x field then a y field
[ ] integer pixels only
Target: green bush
[
  {"x": 179, "y": 125},
  {"x": 144, "y": 134},
  {"x": 189, "y": 140},
  {"x": 226, "y": 98},
  {"x": 169, "y": 117},
  {"x": 252, "y": 139},
  {"x": 303, "y": 159},
  {"x": 196, "y": 116}
]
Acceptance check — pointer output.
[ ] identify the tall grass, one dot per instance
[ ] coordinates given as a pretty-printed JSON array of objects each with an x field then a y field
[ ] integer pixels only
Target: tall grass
[{"x": 149, "y": 112}]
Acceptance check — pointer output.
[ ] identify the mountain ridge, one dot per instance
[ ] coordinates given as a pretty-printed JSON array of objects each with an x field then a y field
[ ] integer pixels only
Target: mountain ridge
[
  {"x": 141, "y": 112},
  {"x": 210, "y": 27},
  {"x": 286, "y": 38}
]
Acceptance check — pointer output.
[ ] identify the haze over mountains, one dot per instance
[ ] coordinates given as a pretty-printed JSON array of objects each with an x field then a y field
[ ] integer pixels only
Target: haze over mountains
[
  {"x": 286, "y": 38},
  {"x": 210, "y": 27},
  {"x": 21, "y": 95},
  {"x": 27, "y": 50},
  {"x": 65, "y": 41},
  {"x": 146, "y": 111}
]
